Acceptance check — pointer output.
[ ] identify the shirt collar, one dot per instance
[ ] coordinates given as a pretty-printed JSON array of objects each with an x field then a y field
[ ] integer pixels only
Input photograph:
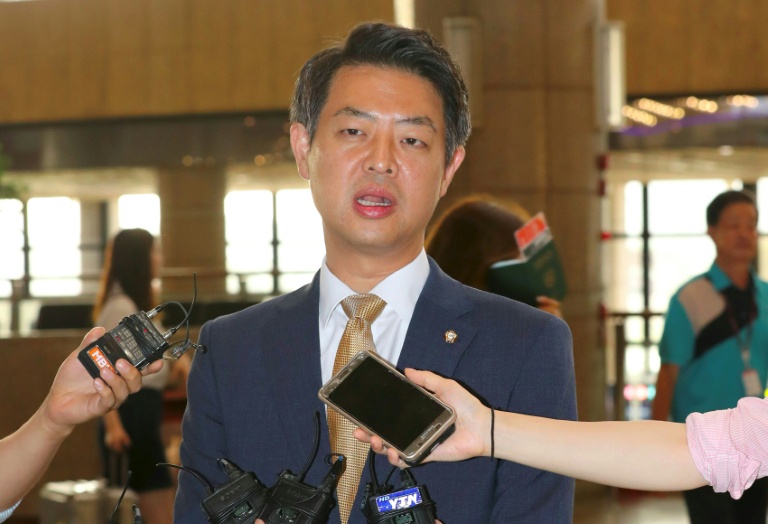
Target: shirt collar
[
  {"x": 400, "y": 290},
  {"x": 720, "y": 280}
]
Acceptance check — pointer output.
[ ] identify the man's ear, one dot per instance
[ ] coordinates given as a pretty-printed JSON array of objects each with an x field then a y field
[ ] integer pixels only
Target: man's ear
[
  {"x": 450, "y": 169},
  {"x": 300, "y": 146}
]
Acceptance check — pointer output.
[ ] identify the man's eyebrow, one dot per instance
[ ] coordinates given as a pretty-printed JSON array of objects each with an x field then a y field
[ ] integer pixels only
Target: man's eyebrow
[
  {"x": 410, "y": 120},
  {"x": 351, "y": 111},
  {"x": 419, "y": 121}
]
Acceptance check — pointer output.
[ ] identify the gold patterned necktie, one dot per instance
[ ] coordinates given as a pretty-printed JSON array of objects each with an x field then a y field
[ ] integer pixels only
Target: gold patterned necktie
[{"x": 362, "y": 310}]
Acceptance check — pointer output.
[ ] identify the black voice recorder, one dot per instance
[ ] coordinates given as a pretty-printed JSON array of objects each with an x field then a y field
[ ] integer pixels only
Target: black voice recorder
[
  {"x": 243, "y": 498},
  {"x": 137, "y": 340},
  {"x": 290, "y": 501},
  {"x": 409, "y": 504}
]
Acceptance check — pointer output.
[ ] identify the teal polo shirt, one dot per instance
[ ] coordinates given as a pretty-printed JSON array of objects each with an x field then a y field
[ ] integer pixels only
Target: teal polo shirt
[{"x": 699, "y": 336}]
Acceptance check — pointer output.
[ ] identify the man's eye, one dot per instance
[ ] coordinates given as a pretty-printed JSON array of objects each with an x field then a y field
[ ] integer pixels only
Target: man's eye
[
  {"x": 413, "y": 141},
  {"x": 352, "y": 132}
]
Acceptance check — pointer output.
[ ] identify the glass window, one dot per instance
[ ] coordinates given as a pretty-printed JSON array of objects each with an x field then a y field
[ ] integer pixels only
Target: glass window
[
  {"x": 54, "y": 242},
  {"x": 762, "y": 255},
  {"x": 139, "y": 211},
  {"x": 624, "y": 291},
  {"x": 300, "y": 232},
  {"x": 656, "y": 325},
  {"x": 654, "y": 360},
  {"x": 674, "y": 261},
  {"x": 12, "y": 240},
  {"x": 679, "y": 206},
  {"x": 762, "y": 205},
  {"x": 632, "y": 209},
  {"x": 248, "y": 233},
  {"x": 634, "y": 330},
  {"x": 635, "y": 364}
]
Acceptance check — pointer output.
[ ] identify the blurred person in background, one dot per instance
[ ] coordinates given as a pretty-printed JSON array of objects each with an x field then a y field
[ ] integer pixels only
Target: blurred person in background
[
  {"x": 131, "y": 263},
  {"x": 475, "y": 233},
  {"x": 74, "y": 398},
  {"x": 714, "y": 349}
]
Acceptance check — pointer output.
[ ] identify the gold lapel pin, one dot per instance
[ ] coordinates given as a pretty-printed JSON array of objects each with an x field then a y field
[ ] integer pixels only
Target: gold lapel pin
[{"x": 451, "y": 336}]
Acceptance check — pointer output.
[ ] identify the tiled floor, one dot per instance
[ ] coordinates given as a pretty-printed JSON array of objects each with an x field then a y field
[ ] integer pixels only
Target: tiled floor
[{"x": 629, "y": 507}]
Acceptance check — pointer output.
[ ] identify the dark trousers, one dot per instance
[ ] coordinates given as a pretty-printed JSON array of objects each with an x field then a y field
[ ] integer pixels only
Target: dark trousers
[
  {"x": 707, "y": 507},
  {"x": 142, "y": 417}
]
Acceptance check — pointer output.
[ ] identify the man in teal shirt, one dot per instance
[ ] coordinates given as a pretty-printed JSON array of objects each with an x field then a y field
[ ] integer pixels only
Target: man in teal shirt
[{"x": 714, "y": 349}]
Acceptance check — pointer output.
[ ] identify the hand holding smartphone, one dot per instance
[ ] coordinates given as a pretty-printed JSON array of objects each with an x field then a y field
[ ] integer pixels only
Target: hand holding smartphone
[{"x": 374, "y": 395}]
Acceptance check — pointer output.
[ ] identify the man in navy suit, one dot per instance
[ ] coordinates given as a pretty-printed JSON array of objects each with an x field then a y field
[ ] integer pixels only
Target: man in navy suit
[{"x": 379, "y": 124}]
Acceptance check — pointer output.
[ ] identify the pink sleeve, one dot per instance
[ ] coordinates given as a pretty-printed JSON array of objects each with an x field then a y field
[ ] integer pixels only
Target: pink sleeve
[{"x": 730, "y": 447}]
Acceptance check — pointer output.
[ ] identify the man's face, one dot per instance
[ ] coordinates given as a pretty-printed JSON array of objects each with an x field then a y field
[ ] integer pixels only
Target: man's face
[
  {"x": 735, "y": 234},
  {"x": 376, "y": 165}
]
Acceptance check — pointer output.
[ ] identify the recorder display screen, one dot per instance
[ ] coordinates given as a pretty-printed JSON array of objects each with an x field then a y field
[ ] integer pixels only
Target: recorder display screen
[{"x": 392, "y": 408}]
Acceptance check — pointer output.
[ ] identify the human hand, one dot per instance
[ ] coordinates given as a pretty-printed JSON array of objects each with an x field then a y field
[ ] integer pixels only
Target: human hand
[
  {"x": 471, "y": 437},
  {"x": 115, "y": 436},
  {"x": 76, "y": 397},
  {"x": 550, "y": 305}
]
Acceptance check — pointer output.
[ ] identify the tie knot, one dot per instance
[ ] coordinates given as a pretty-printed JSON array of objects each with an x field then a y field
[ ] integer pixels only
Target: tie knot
[{"x": 367, "y": 306}]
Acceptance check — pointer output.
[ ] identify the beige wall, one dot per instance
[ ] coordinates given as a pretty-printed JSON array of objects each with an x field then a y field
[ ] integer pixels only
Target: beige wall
[
  {"x": 694, "y": 46},
  {"x": 74, "y": 59}
]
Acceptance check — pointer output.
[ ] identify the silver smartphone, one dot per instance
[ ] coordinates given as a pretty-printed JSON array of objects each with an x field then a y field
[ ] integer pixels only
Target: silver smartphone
[{"x": 374, "y": 395}]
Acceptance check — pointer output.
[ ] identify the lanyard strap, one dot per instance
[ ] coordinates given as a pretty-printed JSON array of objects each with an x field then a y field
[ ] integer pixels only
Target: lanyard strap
[{"x": 746, "y": 342}]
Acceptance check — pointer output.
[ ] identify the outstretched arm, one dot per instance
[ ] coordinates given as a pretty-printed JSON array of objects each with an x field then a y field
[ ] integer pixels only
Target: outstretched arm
[
  {"x": 623, "y": 454},
  {"x": 74, "y": 398}
]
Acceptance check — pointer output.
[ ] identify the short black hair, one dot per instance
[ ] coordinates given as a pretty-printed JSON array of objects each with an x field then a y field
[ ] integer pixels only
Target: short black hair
[
  {"x": 388, "y": 46},
  {"x": 723, "y": 200}
]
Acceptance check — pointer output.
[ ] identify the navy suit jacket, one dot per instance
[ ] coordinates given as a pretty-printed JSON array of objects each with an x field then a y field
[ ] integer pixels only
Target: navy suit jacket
[{"x": 252, "y": 398}]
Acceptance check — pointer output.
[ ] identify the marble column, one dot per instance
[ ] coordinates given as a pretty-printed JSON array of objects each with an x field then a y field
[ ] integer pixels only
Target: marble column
[{"x": 192, "y": 230}]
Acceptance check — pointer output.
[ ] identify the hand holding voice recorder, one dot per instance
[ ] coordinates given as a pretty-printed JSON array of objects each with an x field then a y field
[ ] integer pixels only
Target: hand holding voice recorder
[
  {"x": 371, "y": 393},
  {"x": 137, "y": 340}
]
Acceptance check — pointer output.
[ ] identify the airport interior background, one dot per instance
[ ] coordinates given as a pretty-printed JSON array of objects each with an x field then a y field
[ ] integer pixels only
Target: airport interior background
[{"x": 618, "y": 119}]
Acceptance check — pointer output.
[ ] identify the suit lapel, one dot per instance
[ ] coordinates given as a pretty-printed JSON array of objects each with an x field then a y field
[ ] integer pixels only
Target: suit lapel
[
  {"x": 295, "y": 360},
  {"x": 439, "y": 311}
]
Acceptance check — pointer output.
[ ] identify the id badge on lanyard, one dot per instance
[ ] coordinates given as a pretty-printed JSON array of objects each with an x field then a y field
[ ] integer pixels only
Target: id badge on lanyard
[
  {"x": 752, "y": 386},
  {"x": 749, "y": 376}
]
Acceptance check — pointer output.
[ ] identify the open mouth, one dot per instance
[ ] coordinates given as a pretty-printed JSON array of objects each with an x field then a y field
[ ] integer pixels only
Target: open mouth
[{"x": 374, "y": 201}]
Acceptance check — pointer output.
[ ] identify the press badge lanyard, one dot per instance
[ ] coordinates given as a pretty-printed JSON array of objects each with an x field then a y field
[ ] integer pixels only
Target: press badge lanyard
[{"x": 750, "y": 377}]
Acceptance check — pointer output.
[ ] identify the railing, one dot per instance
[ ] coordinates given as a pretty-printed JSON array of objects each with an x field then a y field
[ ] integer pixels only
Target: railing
[{"x": 177, "y": 285}]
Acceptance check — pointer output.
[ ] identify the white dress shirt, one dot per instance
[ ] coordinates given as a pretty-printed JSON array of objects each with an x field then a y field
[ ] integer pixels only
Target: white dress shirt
[{"x": 400, "y": 291}]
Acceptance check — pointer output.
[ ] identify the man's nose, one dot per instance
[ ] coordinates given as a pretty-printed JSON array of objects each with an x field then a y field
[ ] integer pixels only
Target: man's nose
[{"x": 382, "y": 159}]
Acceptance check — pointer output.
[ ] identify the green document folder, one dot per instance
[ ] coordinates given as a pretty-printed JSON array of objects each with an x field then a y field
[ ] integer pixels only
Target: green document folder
[{"x": 525, "y": 279}]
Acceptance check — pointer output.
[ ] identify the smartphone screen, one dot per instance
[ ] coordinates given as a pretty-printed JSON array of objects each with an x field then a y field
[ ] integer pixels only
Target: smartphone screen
[{"x": 386, "y": 403}]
